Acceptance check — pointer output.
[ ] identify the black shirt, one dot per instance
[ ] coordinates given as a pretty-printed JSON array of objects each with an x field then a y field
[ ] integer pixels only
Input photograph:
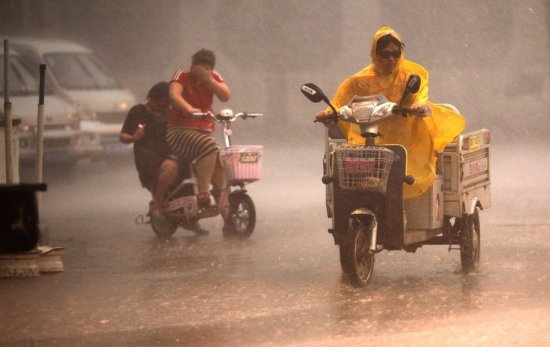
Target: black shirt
[
  {"x": 154, "y": 139},
  {"x": 152, "y": 149}
]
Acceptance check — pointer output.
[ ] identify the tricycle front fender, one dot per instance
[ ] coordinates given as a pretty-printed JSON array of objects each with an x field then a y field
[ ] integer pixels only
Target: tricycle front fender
[{"x": 365, "y": 213}]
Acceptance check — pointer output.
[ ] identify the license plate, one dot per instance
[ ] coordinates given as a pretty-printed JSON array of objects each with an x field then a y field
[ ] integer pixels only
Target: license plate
[
  {"x": 360, "y": 167},
  {"x": 248, "y": 157}
]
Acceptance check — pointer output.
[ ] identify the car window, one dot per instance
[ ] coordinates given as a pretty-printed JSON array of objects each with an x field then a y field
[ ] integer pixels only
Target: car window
[
  {"x": 79, "y": 71},
  {"x": 21, "y": 81}
]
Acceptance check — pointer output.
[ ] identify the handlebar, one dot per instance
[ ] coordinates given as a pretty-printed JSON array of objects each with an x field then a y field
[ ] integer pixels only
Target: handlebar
[
  {"x": 404, "y": 111},
  {"x": 333, "y": 117},
  {"x": 225, "y": 115},
  {"x": 245, "y": 115}
]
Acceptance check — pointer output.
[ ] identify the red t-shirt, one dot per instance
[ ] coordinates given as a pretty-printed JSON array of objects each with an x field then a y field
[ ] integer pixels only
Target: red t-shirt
[{"x": 198, "y": 95}]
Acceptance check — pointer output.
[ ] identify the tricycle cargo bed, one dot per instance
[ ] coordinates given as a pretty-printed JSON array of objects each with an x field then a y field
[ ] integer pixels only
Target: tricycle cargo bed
[{"x": 465, "y": 167}]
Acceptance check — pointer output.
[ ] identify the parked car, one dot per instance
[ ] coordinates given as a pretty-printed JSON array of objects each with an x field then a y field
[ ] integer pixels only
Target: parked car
[
  {"x": 75, "y": 73},
  {"x": 64, "y": 141}
]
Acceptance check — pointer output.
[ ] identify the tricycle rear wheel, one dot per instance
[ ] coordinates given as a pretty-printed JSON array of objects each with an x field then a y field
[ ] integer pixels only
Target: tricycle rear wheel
[
  {"x": 470, "y": 242},
  {"x": 355, "y": 257}
]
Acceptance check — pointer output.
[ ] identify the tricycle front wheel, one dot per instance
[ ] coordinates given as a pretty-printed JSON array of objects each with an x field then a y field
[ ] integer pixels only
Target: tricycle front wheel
[{"x": 355, "y": 257}]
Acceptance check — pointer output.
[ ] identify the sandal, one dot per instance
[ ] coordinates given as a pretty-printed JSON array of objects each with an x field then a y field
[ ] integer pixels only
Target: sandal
[
  {"x": 157, "y": 217},
  {"x": 203, "y": 200}
]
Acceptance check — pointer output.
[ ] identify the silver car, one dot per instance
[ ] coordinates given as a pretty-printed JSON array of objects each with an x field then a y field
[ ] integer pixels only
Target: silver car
[
  {"x": 64, "y": 141},
  {"x": 74, "y": 73}
]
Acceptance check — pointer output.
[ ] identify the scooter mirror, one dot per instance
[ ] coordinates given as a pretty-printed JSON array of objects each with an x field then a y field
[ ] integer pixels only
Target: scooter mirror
[
  {"x": 413, "y": 84},
  {"x": 313, "y": 93}
]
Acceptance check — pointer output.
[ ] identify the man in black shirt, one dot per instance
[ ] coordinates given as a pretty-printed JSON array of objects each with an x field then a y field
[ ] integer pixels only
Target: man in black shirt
[{"x": 145, "y": 127}]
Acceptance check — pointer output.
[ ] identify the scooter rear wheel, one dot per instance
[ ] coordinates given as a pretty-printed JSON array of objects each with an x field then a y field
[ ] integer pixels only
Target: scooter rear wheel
[
  {"x": 164, "y": 228},
  {"x": 355, "y": 257}
]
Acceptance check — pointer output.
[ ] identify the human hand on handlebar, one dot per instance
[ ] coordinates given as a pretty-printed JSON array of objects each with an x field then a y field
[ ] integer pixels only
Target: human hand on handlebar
[
  {"x": 194, "y": 110},
  {"x": 325, "y": 118},
  {"x": 422, "y": 108}
]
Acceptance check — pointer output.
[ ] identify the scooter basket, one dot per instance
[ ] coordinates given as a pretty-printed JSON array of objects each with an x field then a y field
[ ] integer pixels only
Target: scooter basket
[
  {"x": 363, "y": 167},
  {"x": 243, "y": 163}
]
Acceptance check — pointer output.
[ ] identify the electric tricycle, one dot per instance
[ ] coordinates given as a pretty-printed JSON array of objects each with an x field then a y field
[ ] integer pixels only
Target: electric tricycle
[{"x": 364, "y": 189}]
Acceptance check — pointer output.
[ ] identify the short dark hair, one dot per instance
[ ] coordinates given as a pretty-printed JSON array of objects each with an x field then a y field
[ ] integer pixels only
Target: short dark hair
[
  {"x": 204, "y": 57},
  {"x": 385, "y": 40},
  {"x": 159, "y": 91}
]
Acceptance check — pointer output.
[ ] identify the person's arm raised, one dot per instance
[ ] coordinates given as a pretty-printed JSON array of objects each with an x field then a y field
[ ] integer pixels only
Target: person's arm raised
[{"x": 220, "y": 89}]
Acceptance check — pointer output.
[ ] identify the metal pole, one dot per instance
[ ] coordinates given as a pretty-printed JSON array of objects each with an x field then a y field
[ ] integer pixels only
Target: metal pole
[
  {"x": 40, "y": 127},
  {"x": 7, "y": 114},
  {"x": 6, "y": 65}
]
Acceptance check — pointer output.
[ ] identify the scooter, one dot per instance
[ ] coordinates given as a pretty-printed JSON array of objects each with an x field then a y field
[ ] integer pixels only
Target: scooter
[
  {"x": 364, "y": 194},
  {"x": 242, "y": 166}
]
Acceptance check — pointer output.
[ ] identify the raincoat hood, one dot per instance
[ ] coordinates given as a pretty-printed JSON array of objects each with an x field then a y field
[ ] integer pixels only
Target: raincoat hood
[{"x": 377, "y": 36}]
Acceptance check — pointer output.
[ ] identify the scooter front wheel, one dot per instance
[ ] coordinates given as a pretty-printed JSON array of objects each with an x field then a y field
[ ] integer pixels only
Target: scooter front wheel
[
  {"x": 355, "y": 257},
  {"x": 242, "y": 215}
]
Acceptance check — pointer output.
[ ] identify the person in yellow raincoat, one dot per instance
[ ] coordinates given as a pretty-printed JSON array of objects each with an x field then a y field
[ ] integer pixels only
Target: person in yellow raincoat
[{"x": 422, "y": 137}]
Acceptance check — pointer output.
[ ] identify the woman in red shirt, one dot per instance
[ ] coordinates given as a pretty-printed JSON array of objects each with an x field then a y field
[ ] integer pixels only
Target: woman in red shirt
[{"x": 192, "y": 90}]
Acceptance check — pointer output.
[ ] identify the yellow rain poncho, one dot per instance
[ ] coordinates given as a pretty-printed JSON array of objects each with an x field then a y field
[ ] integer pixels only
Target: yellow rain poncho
[{"x": 422, "y": 137}]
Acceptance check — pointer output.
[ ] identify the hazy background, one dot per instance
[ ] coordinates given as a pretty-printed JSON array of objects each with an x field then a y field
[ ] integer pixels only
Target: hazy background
[{"x": 489, "y": 58}]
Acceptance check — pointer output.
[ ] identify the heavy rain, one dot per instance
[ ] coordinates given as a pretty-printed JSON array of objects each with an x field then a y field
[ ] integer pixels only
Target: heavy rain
[{"x": 283, "y": 285}]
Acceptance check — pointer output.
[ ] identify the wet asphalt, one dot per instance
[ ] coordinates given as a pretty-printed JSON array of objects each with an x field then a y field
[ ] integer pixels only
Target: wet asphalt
[{"x": 123, "y": 286}]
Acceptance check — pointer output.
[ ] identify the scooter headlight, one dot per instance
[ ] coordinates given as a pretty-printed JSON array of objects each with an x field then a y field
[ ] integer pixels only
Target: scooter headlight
[{"x": 226, "y": 113}]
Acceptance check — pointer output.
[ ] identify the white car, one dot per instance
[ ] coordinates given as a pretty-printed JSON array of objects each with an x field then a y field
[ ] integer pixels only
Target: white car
[
  {"x": 64, "y": 141},
  {"x": 74, "y": 73}
]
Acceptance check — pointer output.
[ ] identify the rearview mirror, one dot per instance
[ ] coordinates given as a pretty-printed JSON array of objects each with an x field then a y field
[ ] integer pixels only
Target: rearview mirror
[
  {"x": 413, "y": 84},
  {"x": 313, "y": 93}
]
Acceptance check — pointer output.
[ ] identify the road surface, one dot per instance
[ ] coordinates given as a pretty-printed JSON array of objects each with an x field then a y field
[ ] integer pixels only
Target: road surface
[{"x": 283, "y": 286}]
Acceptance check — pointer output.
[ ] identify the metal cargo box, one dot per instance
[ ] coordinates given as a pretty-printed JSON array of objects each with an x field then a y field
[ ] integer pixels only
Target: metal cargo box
[{"x": 426, "y": 211}]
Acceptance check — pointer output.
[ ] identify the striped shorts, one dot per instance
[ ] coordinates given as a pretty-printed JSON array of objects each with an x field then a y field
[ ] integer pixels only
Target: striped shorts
[{"x": 190, "y": 144}]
